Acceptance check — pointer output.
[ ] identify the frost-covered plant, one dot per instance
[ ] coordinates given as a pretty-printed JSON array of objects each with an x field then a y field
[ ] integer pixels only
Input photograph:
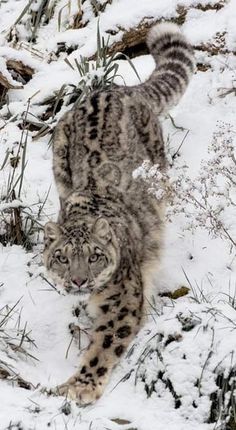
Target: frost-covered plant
[
  {"x": 10, "y": 207},
  {"x": 160, "y": 182},
  {"x": 212, "y": 194},
  {"x": 18, "y": 222},
  {"x": 206, "y": 200}
]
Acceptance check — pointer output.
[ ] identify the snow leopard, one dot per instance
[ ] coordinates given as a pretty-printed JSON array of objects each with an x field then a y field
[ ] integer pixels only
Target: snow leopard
[{"x": 107, "y": 241}]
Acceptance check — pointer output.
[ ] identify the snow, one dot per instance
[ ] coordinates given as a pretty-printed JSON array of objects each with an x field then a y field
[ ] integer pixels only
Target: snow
[{"x": 191, "y": 257}]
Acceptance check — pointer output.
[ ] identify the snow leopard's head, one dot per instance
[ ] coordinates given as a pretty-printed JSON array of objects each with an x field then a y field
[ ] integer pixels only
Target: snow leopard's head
[{"x": 83, "y": 258}]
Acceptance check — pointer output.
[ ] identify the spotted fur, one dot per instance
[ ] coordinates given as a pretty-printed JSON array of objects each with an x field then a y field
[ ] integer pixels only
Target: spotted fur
[{"x": 108, "y": 236}]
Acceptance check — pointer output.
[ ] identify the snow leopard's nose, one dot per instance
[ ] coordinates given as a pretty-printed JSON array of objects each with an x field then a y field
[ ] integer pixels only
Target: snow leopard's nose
[{"x": 78, "y": 281}]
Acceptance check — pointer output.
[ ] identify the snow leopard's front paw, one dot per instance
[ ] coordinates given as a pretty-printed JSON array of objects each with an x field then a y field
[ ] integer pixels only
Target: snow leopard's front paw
[{"x": 83, "y": 391}]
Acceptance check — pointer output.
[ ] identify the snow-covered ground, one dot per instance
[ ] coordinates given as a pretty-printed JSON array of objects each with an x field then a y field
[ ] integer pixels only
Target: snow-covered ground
[{"x": 168, "y": 379}]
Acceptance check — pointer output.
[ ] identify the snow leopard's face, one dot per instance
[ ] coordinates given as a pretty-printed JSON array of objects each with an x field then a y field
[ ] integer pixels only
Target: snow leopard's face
[{"x": 82, "y": 259}]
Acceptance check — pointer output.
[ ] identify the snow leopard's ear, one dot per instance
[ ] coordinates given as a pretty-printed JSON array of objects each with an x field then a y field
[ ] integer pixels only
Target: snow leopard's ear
[
  {"x": 51, "y": 231},
  {"x": 101, "y": 229}
]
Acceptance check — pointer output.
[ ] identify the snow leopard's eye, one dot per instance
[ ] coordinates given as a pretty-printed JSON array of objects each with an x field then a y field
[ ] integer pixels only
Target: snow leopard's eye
[
  {"x": 93, "y": 258},
  {"x": 60, "y": 257},
  {"x": 63, "y": 259}
]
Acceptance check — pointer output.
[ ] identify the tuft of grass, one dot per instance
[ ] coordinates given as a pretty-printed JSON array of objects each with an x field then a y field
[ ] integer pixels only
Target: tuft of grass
[
  {"x": 17, "y": 221},
  {"x": 17, "y": 338},
  {"x": 101, "y": 72},
  {"x": 15, "y": 342},
  {"x": 11, "y": 217}
]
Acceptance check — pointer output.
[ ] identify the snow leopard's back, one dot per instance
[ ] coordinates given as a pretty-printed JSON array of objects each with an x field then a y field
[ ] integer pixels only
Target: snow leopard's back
[{"x": 100, "y": 142}]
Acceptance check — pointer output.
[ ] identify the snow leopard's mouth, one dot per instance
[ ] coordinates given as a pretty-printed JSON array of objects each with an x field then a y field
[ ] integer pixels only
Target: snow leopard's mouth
[{"x": 79, "y": 288}]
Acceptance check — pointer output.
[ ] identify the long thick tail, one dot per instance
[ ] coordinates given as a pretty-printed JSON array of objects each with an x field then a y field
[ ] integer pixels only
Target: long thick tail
[{"x": 174, "y": 67}]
